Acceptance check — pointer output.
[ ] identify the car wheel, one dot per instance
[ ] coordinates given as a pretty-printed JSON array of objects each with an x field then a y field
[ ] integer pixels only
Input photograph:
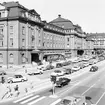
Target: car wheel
[
  {"x": 10, "y": 81},
  {"x": 41, "y": 73},
  {"x": 22, "y": 80}
]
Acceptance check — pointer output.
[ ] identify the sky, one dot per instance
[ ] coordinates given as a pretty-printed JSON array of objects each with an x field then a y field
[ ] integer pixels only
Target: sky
[{"x": 89, "y": 14}]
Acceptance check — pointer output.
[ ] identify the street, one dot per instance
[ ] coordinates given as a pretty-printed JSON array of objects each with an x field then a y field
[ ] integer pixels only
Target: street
[{"x": 90, "y": 84}]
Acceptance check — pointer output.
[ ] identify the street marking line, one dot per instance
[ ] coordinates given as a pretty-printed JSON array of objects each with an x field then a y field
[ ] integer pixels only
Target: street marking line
[
  {"x": 29, "y": 99},
  {"x": 33, "y": 102},
  {"x": 92, "y": 85},
  {"x": 100, "y": 98},
  {"x": 22, "y": 98},
  {"x": 88, "y": 89},
  {"x": 68, "y": 89},
  {"x": 57, "y": 101}
]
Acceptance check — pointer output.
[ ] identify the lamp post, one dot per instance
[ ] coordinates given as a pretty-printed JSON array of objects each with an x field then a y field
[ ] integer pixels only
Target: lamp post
[{"x": 7, "y": 41}]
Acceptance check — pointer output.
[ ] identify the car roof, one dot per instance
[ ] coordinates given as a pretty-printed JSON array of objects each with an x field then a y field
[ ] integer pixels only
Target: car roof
[{"x": 69, "y": 98}]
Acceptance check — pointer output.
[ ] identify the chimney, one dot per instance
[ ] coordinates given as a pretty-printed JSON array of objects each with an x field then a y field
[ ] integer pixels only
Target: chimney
[{"x": 59, "y": 15}]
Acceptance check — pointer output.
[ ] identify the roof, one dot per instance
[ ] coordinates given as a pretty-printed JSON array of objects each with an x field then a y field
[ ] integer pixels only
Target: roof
[
  {"x": 64, "y": 23},
  {"x": 96, "y": 34},
  {"x": 13, "y": 4},
  {"x": 69, "y": 98},
  {"x": 34, "y": 12}
]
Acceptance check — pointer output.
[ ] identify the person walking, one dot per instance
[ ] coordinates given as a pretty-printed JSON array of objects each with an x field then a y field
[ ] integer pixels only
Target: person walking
[{"x": 16, "y": 89}]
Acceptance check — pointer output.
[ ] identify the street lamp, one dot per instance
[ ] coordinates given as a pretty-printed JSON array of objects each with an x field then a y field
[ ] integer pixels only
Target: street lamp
[{"x": 7, "y": 36}]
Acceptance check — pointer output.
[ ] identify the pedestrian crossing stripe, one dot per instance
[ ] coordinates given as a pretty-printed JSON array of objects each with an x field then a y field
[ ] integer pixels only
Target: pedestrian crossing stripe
[
  {"x": 33, "y": 102},
  {"x": 57, "y": 101},
  {"x": 22, "y": 98},
  {"x": 23, "y": 102}
]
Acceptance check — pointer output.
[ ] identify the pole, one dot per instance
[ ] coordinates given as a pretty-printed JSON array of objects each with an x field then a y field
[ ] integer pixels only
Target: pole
[
  {"x": 7, "y": 42},
  {"x": 53, "y": 89}
]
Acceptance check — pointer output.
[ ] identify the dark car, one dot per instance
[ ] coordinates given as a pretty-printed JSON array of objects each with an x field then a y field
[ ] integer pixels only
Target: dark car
[
  {"x": 62, "y": 82},
  {"x": 49, "y": 67},
  {"x": 66, "y": 63},
  {"x": 3, "y": 73},
  {"x": 93, "y": 68},
  {"x": 67, "y": 71},
  {"x": 58, "y": 65}
]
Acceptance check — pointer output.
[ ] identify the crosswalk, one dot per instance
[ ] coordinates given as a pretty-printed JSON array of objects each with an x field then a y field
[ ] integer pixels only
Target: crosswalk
[{"x": 32, "y": 99}]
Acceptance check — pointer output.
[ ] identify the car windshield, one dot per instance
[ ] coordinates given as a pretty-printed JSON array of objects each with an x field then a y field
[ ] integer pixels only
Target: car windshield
[
  {"x": 66, "y": 102},
  {"x": 57, "y": 71}
]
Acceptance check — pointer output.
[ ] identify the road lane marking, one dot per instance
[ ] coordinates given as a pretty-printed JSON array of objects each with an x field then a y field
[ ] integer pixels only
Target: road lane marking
[
  {"x": 57, "y": 101},
  {"x": 33, "y": 102},
  {"x": 29, "y": 99},
  {"x": 88, "y": 89},
  {"x": 100, "y": 98},
  {"x": 68, "y": 89},
  {"x": 23, "y": 98},
  {"x": 92, "y": 85}
]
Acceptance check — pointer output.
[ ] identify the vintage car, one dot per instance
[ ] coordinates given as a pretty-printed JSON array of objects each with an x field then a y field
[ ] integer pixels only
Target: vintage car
[
  {"x": 62, "y": 82},
  {"x": 93, "y": 68},
  {"x": 73, "y": 100},
  {"x": 58, "y": 73},
  {"x": 16, "y": 78}
]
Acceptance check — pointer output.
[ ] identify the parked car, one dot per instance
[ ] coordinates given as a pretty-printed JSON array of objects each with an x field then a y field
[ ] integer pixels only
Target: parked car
[
  {"x": 58, "y": 73},
  {"x": 16, "y": 78},
  {"x": 34, "y": 72},
  {"x": 58, "y": 65},
  {"x": 73, "y": 100},
  {"x": 66, "y": 63},
  {"x": 2, "y": 72},
  {"x": 86, "y": 64},
  {"x": 49, "y": 67},
  {"x": 81, "y": 65},
  {"x": 62, "y": 82},
  {"x": 67, "y": 70},
  {"x": 75, "y": 68},
  {"x": 93, "y": 68}
]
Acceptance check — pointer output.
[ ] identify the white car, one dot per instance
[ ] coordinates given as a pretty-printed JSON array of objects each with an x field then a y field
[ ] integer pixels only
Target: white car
[
  {"x": 34, "y": 71},
  {"x": 75, "y": 68},
  {"x": 86, "y": 64},
  {"x": 58, "y": 73},
  {"x": 16, "y": 78}
]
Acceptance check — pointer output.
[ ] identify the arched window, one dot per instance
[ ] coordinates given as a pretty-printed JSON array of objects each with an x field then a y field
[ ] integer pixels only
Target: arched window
[
  {"x": 11, "y": 58},
  {"x": 23, "y": 58},
  {"x": 1, "y": 58}
]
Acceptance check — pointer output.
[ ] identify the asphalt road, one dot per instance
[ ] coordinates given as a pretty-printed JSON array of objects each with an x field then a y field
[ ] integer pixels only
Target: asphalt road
[{"x": 90, "y": 84}]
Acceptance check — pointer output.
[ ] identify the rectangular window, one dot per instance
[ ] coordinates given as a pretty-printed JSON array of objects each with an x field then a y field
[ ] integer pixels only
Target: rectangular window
[
  {"x": 1, "y": 58},
  {"x": 23, "y": 42},
  {"x": 11, "y": 29},
  {"x": 102, "y": 42},
  {"x": 23, "y": 30},
  {"x": 1, "y": 43},
  {"x": 1, "y": 31},
  {"x": 11, "y": 42}
]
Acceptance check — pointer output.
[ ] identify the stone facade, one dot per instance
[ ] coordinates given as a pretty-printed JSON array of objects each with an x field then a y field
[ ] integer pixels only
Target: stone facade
[{"x": 25, "y": 38}]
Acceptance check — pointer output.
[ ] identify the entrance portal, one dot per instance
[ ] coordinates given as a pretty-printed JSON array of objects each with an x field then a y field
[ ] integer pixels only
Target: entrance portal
[
  {"x": 34, "y": 57},
  {"x": 80, "y": 52}
]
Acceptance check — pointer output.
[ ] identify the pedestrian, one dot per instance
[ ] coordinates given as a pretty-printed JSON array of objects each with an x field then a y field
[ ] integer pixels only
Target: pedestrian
[
  {"x": 16, "y": 88},
  {"x": 2, "y": 80}
]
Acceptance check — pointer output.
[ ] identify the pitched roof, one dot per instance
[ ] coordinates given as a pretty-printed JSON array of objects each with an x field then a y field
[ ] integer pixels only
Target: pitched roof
[
  {"x": 64, "y": 23},
  {"x": 13, "y": 4}
]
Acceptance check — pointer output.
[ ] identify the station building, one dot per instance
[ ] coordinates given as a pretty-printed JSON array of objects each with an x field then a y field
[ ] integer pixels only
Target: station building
[{"x": 25, "y": 38}]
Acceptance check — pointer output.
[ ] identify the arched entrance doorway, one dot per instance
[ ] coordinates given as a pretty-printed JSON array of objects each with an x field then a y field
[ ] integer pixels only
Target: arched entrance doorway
[
  {"x": 80, "y": 52},
  {"x": 35, "y": 57}
]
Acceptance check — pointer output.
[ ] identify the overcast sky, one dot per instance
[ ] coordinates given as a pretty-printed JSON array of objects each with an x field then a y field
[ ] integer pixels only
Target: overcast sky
[{"x": 89, "y": 14}]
